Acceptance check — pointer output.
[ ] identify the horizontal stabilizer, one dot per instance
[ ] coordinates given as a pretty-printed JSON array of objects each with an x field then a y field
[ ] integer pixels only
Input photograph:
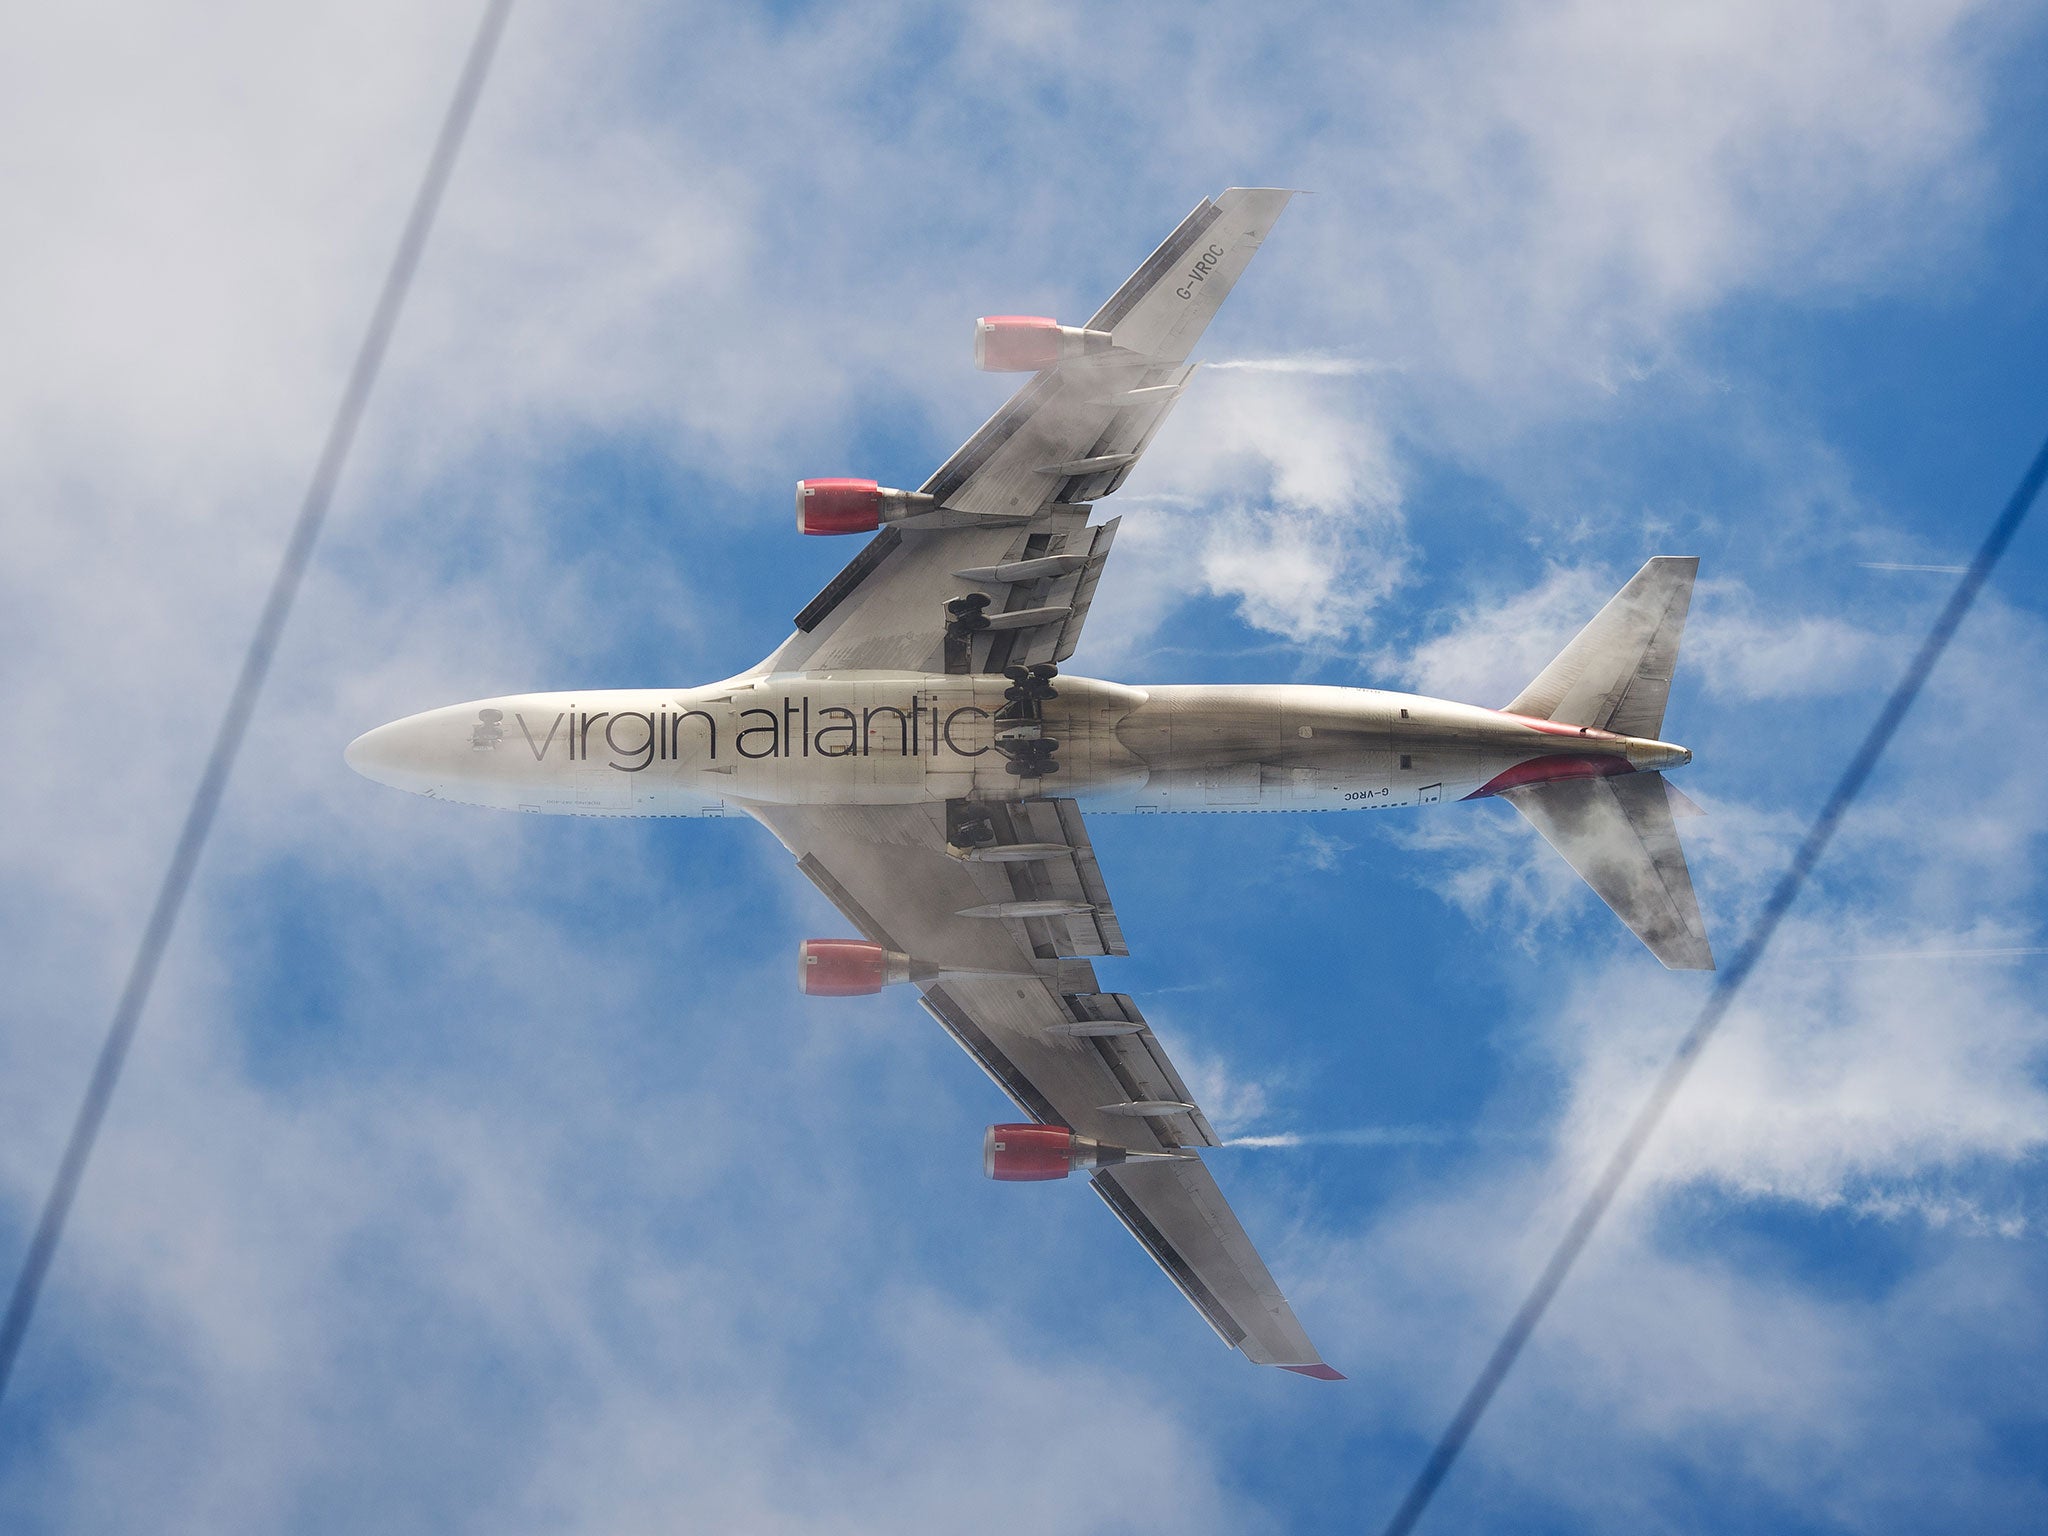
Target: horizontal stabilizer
[
  {"x": 1616, "y": 675},
  {"x": 1619, "y": 835},
  {"x": 1682, "y": 804}
]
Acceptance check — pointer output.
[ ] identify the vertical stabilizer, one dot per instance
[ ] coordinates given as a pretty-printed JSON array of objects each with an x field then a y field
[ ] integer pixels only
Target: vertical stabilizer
[
  {"x": 1618, "y": 834},
  {"x": 1617, "y": 674}
]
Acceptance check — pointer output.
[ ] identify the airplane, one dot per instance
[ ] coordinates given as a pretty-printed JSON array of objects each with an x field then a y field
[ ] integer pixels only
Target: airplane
[{"x": 916, "y": 747}]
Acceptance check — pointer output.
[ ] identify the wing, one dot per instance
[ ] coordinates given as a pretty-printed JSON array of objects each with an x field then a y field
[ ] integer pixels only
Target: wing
[
  {"x": 1018, "y": 493},
  {"x": 1002, "y": 936}
]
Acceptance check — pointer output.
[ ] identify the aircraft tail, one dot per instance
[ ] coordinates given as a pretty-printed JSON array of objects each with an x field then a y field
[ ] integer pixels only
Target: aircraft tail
[
  {"x": 1616, "y": 675},
  {"x": 1618, "y": 833}
]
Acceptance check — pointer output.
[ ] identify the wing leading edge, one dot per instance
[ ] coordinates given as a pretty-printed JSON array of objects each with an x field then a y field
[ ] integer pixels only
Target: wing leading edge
[{"x": 1011, "y": 991}]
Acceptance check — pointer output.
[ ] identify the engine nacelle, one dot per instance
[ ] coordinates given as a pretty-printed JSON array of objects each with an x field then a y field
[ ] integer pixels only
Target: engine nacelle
[
  {"x": 1027, "y": 343},
  {"x": 847, "y": 967},
  {"x": 1024, "y": 1153},
  {"x": 852, "y": 506}
]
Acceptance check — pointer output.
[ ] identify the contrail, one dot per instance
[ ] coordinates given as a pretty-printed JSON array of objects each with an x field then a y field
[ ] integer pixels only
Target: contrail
[
  {"x": 1893, "y": 565},
  {"x": 1930, "y": 954},
  {"x": 1365, "y": 1136},
  {"x": 1322, "y": 367}
]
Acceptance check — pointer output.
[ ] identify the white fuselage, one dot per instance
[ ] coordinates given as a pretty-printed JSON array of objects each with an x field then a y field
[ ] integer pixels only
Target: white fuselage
[{"x": 890, "y": 738}]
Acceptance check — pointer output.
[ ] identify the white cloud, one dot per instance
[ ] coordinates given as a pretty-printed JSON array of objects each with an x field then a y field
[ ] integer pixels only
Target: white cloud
[
  {"x": 1323, "y": 850},
  {"x": 1270, "y": 491},
  {"x": 1234, "y": 1101},
  {"x": 1493, "y": 646},
  {"x": 1743, "y": 655},
  {"x": 1607, "y": 175}
]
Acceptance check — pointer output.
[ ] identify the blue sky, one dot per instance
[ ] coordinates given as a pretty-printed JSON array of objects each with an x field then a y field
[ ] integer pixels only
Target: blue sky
[{"x": 485, "y": 1173}]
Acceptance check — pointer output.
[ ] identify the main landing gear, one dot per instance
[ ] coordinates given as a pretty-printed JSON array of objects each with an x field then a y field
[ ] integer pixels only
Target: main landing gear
[{"x": 1020, "y": 723}]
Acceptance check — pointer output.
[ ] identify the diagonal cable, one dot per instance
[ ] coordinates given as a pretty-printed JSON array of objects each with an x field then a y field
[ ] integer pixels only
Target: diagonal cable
[
  {"x": 1719, "y": 1001},
  {"x": 234, "y": 725}
]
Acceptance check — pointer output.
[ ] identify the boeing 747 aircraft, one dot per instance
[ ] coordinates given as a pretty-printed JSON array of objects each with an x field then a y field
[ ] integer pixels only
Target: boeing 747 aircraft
[{"x": 915, "y": 746}]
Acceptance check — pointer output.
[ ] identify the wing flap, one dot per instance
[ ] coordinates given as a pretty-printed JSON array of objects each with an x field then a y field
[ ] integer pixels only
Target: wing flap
[
  {"x": 1063, "y": 585},
  {"x": 1072, "y": 876},
  {"x": 1075, "y": 431},
  {"x": 1085, "y": 582},
  {"x": 1141, "y": 1064},
  {"x": 1126, "y": 433}
]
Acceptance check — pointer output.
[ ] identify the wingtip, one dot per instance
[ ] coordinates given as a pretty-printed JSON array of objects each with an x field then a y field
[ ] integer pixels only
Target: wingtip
[{"x": 1319, "y": 1371}]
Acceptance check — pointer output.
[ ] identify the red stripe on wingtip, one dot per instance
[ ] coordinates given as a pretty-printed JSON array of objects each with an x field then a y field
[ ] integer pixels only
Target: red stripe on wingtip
[{"x": 1319, "y": 1371}]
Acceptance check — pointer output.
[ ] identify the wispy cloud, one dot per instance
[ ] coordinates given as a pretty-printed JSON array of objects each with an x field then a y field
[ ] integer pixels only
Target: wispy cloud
[{"x": 1322, "y": 850}]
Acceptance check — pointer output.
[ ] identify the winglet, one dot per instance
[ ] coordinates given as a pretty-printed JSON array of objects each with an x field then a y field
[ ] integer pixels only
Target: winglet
[{"x": 1320, "y": 1371}]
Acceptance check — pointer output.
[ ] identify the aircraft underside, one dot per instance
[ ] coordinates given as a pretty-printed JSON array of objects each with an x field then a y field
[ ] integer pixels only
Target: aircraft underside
[{"x": 894, "y": 739}]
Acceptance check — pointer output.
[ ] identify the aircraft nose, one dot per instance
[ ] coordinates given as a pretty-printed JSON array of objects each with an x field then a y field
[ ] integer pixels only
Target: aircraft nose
[
  {"x": 390, "y": 755},
  {"x": 359, "y": 753}
]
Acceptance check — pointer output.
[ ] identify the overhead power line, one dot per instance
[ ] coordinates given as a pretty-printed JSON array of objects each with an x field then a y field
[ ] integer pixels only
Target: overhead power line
[
  {"x": 234, "y": 725},
  {"x": 1719, "y": 1001}
]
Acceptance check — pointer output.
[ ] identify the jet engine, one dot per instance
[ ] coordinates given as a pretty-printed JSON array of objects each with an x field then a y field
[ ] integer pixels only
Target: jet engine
[
  {"x": 1022, "y": 1153},
  {"x": 853, "y": 506},
  {"x": 847, "y": 967},
  {"x": 1027, "y": 343}
]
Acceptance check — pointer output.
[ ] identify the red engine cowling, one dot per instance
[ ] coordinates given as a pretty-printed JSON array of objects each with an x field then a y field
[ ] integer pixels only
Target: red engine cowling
[
  {"x": 852, "y": 506},
  {"x": 847, "y": 967},
  {"x": 1027, "y": 343},
  {"x": 838, "y": 506},
  {"x": 1020, "y": 1153}
]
